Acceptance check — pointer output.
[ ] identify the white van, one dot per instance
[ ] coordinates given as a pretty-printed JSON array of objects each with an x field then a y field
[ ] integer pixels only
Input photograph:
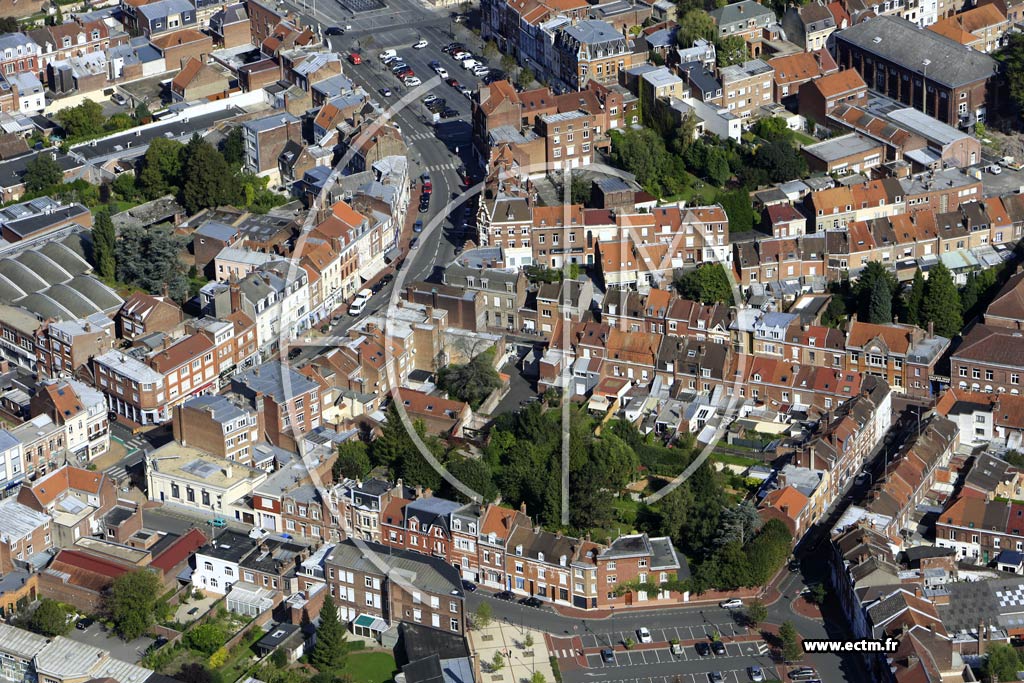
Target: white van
[
  {"x": 470, "y": 63},
  {"x": 387, "y": 53},
  {"x": 359, "y": 303}
]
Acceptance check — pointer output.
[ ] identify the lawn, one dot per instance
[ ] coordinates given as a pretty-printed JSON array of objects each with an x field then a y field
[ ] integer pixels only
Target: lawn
[
  {"x": 730, "y": 459},
  {"x": 370, "y": 667},
  {"x": 697, "y": 192},
  {"x": 804, "y": 138}
]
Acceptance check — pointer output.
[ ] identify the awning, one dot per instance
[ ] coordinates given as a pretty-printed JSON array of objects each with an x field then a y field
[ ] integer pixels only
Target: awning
[{"x": 371, "y": 622}]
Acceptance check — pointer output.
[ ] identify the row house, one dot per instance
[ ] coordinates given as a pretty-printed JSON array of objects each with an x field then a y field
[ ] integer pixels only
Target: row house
[
  {"x": 844, "y": 439},
  {"x": 64, "y": 347},
  {"x": 188, "y": 368},
  {"x": 904, "y": 356},
  {"x": 289, "y": 402},
  {"x": 633, "y": 558},
  {"x": 823, "y": 96},
  {"x": 981, "y": 28},
  {"x": 505, "y": 221},
  {"x": 786, "y": 337},
  {"x": 792, "y": 72},
  {"x": 837, "y": 207},
  {"x": 941, "y": 191},
  {"x": 515, "y": 25},
  {"x": 18, "y": 332},
  {"x": 19, "y": 54},
  {"x": 558, "y": 235},
  {"x": 687, "y": 364},
  {"x": 979, "y": 529},
  {"x": 144, "y": 314},
  {"x": 363, "y": 502},
  {"x": 988, "y": 360},
  {"x": 747, "y": 19},
  {"x": 781, "y": 384},
  {"x": 496, "y": 527},
  {"x": 996, "y": 418},
  {"x": 592, "y": 50},
  {"x": 910, "y": 475},
  {"x": 134, "y": 390},
  {"x": 747, "y": 87},
  {"x": 81, "y": 410},
  {"x": 91, "y": 495},
  {"x": 43, "y": 444},
  {"x": 341, "y": 274},
  {"x": 779, "y": 260},
  {"x": 218, "y": 425},
  {"x": 26, "y": 532},
  {"x": 75, "y": 38},
  {"x": 422, "y": 525},
  {"x": 376, "y": 587},
  {"x": 234, "y": 341},
  {"x": 632, "y": 355}
]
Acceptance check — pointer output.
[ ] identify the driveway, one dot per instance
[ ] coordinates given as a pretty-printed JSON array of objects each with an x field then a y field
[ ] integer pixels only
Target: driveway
[{"x": 97, "y": 636}]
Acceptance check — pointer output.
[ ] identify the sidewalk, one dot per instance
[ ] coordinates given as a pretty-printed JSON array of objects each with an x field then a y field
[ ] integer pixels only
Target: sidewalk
[{"x": 520, "y": 662}]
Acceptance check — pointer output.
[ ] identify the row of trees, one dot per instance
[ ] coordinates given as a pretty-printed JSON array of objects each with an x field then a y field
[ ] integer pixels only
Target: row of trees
[
  {"x": 708, "y": 283},
  {"x": 877, "y": 297}
]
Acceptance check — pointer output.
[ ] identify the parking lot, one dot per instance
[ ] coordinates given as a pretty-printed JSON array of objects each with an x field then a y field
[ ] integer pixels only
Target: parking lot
[
  {"x": 97, "y": 636},
  {"x": 728, "y": 676},
  {"x": 664, "y": 635},
  {"x": 662, "y": 655}
]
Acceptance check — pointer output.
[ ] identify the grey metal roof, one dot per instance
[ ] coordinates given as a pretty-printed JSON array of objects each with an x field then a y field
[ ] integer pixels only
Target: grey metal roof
[
  {"x": 270, "y": 122},
  {"x": 903, "y": 43},
  {"x": 591, "y": 31},
  {"x": 274, "y": 380},
  {"x": 163, "y": 8},
  {"x": 741, "y": 12},
  {"x": 219, "y": 407},
  {"x": 424, "y": 572},
  {"x": 841, "y": 147},
  {"x": 21, "y": 643}
]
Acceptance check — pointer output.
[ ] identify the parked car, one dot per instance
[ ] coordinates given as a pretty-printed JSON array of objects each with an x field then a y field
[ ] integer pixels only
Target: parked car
[
  {"x": 441, "y": 71},
  {"x": 532, "y": 601},
  {"x": 995, "y": 169},
  {"x": 217, "y": 522},
  {"x": 453, "y": 83},
  {"x": 417, "y": 227},
  {"x": 644, "y": 635},
  {"x": 466, "y": 91},
  {"x": 359, "y": 303},
  {"x": 715, "y": 676},
  {"x": 194, "y": 611},
  {"x": 420, "y": 44},
  {"x": 607, "y": 655},
  {"x": 412, "y": 81},
  {"x": 449, "y": 113},
  {"x": 804, "y": 673},
  {"x": 118, "y": 98},
  {"x": 756, "y": 674},
  {"x": 718, "y": 647},
  {"x": 676, "y": 648},
  {"x": 427, "y": 185},
  {"x": 703, "y": 649},
  {"x": 506, "y": 595},
  {"x": 414, "y": 242},
  {"x": 384, "y": 92},
  {"x": 84, "y": 623},
  {"x": 295, "y": 352},
  {"x": 468, "y": 586},
  {"x": 387, "y": 54},
  {"x": 733, "y": 603}
]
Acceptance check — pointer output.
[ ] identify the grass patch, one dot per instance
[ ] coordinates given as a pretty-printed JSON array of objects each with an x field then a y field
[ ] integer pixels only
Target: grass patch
[
  {"x": 370, "y": 667},
  {"x": 803, "y": 138},
  {"x": 697, "y": 192},
  {"x": 730, "y": 459}
]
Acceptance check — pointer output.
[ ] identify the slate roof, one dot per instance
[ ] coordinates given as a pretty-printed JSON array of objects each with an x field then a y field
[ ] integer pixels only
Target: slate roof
[{"x": 903, "y": 43}]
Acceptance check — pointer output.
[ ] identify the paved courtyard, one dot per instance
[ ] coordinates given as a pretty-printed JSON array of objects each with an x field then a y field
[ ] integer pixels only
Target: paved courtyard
[{"x": 520, "y": 661}]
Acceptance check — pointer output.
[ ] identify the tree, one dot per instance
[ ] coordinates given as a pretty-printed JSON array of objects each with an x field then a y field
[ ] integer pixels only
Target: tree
[
  {"x": 695, "y": 25},
  {"x": 490, "y": 50},
  {"x": 206, "y": 638},
  {"x": 718, "y": 172},
  {"x": 757, "y": 612},
  {"x": 773, "y": 128},
  {"x": 483, "y": 615},
  {"x": 643, "y": 153},
  {"x": 82, "y": 121},
  {"x": 731, "y": 50},
  {"x": 867, "y": 284},
  {"x": 579, "y": 189},
  {"x": 104, "y": 244},
  {"x": 880, "y": 303},
  {"x": 781, "y": 161},
  {"x": 709, "y": 283},
  {"x": 818, "y": 594},
  {"x": 207, "y": 178},
  {"x": 124, "y": 186},
  {"x": 160, "y": 173},
  {"x": 353, "y": 461},
  {"x": 9, "y": 25},
  {"x": 508, "y": 64},
  {"x": 472, "y": 472},
  {"x": 791, "y": 651},
  {"x": 525, "y": 77},
  {"x": 233, "y": 148},
  {"x": 142, "y": 114},
  {"x": 528, "y": 640},
  {"x": 42, "y": 173},
  {"x": 149, "y": 258},
  {"x": 537, "y": 677},
  {"x": 739, "y": 210},
  {"x": 50, "y": 619},
  {"x": 472, "y": 382},
  {"x": 497, "y": 661},
  {"x": 328, "y": 653},
  {"x": 1012, "y": 57},
  {"x": 1002, "y": 662},
  {"x": 132, "y": 603},
  {"x": 915, "y": 298},
  {"x": 941, "y": 304}
]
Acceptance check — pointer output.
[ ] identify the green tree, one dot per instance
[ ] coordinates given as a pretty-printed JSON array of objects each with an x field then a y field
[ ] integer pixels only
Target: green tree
[
  {"x": 207, "y": 178},
  {"x": 353, "y": 460},
  {"x": 643, "y": 153},
  {"x": 709, "y": 283},
  {"x": 537, "y": 677},
  {"x": 160, "y": 172},
  {"x": 118, "y": 122},
  {"x": 497, "y": 661},
  {"x": 791, "y": 651},
  {"x": 867, "y": 283},
  {"x": 471, "y": 382},
  {"x": 50, "y": 619},
  {"x": 773, "y": 128},
  {"x": 739, "y": 210},
  {"x": 1001, "y": 662},
  {"x": 124, "y": 186},
  {"x": 835, "y": 314},
  {"x": 818, "y": 594},
  {"x": 915, "y": 298},
  {"x": 579, "y": 189},
  {"x": 781, "y": 161},
  {"x": 132, "y": 603},
  {"x": 756, "y": 612},
  {"x": 1012, "y": 57},
  {"x": 731, "y": 50},
  {"x": 717, "y": 171},
  {"x": 328, "y": 653},
  {"x": 525, "y": 77},
  {"x": 150, "y": 259},
  {"x": 233, "y": 147},
  {"x": 695, "y": 25},
  {"x": 474, "y": 473},
  {"x": 490, "y": 50},
  {"x": 880, "y": 303},
  {"x": 104, "y": 241},
  {"x": 482, "y": 616},
  {"x": 82, "y": 121},
  {"x": 9, "y": 25},
  {"x": 393, "y": 440},
  {"x": 508, "y": 64},
  {"x": 528, "y": 640},
  {"x": 42, "y": 173},
  {"x": 206, "y": 638},
  {"x": 142, "y": 114},
  {"x": 941, "y": 304}
]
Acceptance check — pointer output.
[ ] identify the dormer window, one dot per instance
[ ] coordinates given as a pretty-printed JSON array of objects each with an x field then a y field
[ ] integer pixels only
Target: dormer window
[
  {"x": 519, "y": 550},
  {"x": 95, "y": 34},
  {"x": 492, "y": 538},
  {"x": 67, "y": 41},
  {"x": 540, "y": 557},
  {"x": 562, "y": 561}
]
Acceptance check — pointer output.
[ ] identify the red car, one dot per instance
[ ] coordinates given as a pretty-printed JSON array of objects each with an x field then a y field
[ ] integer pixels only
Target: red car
[
  {"x": 428, "y": 187},
  {"x": 406, "y": 73},
  {"x": 454, "y": 83}
]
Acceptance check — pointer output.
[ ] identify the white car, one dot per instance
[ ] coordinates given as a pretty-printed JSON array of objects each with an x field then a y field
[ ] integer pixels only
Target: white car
[
  {"x": 734, "y": 603},
  {"x": 412, "y": 81},
  {"x": 359, "y": 303},
  {"x": 995, "y": 169},
  {"x": 481, "y": 70},
  {"x": 441, "y": 71},
  {"x": 756, "y": 674},
  {"x": 429, "y": 98},
  {"x": 644, "y": 635},
  {"x": 420, "y": 44},
  {"x": 387, "y": 53}
]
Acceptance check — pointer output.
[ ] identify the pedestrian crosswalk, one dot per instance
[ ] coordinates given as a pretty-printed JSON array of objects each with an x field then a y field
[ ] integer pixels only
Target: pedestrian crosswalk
[
  {"x": 420, "y": 136},
  {"x": 116, "y": 472},
  {"x": 136, "y": 443},
  {"x": 443, "y": 167}
]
